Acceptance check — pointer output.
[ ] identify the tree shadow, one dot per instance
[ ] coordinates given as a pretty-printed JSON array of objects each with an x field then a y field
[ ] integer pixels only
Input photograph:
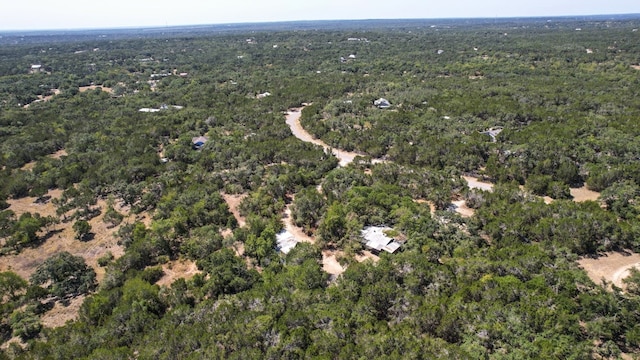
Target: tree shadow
[
  {"x": 49, "y": 235},
  {"x": 88, "y": 237}
]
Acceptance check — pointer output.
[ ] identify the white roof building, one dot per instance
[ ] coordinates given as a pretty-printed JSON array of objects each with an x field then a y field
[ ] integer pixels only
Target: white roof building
[{"x": 378, "y": 241}]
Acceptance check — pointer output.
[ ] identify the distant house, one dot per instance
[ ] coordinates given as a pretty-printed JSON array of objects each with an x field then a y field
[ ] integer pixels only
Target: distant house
[
  {"x": 263, "y": 95},
  {"x": 492, "y": 132},
  {"x": 198, "y": 142},
  {"x": 376, "y": 239},
  {"x": 382, "y": 103},
  {"x": 35, "y": 68}
]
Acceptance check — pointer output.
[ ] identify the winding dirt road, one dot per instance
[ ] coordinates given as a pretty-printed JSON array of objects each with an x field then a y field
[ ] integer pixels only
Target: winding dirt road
[
  {"x": 613, "y": 267},
  {"x": 293, "y": 120}
]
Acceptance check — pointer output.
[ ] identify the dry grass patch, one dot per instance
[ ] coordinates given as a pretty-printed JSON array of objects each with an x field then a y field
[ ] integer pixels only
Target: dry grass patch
[
  {"x": 62, "y": 237},
  {"x": 60, "y": 314},
  {"x": 233, "y": 201},
  {"x": 174, "y": 270},
  {"x": 330, "y": 263},
  {"x": 583, "y": 194},
  {"x": 93, "y": 87},
  {"x": 612, "y": 266}
]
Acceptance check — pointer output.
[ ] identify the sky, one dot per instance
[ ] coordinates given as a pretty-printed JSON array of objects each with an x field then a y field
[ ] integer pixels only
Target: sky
[{"x": 88, "y": 14}]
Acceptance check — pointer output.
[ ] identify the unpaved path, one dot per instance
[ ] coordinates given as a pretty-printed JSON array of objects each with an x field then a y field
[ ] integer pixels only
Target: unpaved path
[
  {"x": 233, "y": 201},
  {"x": 462, "y": 208},
  {"x": 474, "y": 183},
  {"x": 329, "y": 263},
  {"x": 293, "y": 120},
  {"x": 612, "y": 266}
]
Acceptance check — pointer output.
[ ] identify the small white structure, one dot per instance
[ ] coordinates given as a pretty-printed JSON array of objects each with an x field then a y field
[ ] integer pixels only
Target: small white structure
[
  {"x": 263, "y": 95},
  {"x": 376, "y": 240},
  {"x": 285, "y": 241},
  {"x": 162, "y": 107},
  {"x": 382, "y": 103},
  {"x": 352, "y": 56},
  {"x": 492, "y": 132},
  {"x": 35, "y": 68},
  {"x": 440, "y": 51}
]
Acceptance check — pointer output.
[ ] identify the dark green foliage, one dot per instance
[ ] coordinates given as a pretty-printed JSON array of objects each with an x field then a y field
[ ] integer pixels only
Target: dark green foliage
[
  {"x": 82, "y": 229},
  {"x": 65, "y": 275},
  {"x": 228, "y": 274},
  {"x": 25, "y": 324},
  {"x": 500, "y": 284}
]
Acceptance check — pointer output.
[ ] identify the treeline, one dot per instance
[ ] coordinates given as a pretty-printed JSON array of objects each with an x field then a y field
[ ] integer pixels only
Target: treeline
[{"x": 501, "y": 284}]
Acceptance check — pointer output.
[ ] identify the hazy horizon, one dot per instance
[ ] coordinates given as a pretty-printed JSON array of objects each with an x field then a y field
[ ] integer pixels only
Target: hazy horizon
[{"x": 70, "y": 15}]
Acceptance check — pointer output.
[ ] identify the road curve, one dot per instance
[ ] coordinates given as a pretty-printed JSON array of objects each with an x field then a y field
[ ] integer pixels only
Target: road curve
[{"x": 293, "y": 121}]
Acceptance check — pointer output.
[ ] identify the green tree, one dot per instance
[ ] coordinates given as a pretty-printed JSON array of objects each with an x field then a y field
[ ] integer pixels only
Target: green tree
[
  {"x": 25, "y": 324},
  {"x": 11, "y": 286},
  {"x": 82, "y": 229},
  {"x": 65, "y": 275}
]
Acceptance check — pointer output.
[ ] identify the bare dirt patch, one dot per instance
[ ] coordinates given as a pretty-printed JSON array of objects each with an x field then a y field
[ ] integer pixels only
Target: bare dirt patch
[
  {"x": 58, "y": 154},
  {"x": 584, "y": 194},
  {"x": 233, "y": 201},
  {"x": 93, "y": 87},
  {"x": 297, "y": 232},
  {"x": 475, "y": 183},
  {"x": 62, "y": 238},
  {"x": 461, "y": 208},
  {"x": 612, "y": 266},
  {"x": 367, "y": 255},
  {"x": 330, "y": 264},
  {"x": 60, "y": 314},
  {"x": 432, "y": 206},
  {"x": 636, "y": 67},
  {"x": 174, "y": 270}
]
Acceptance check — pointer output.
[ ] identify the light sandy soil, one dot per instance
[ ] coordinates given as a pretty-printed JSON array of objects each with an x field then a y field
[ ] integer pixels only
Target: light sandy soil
[
  {"x": 93, "y": 87},
  {"x": 462, "y": 209},
  {"x": 330, "y": 264},
  {"x": 44, "y": 98},
  {"x": 174, "y": 270},
  {"x": 60, "y": 314},
  {"x": 637, "y": 67},
  {"x": 293, "y": 120},
  {"x": 63, "y": 238},
  {"x": 584, "y": 194},
  {"x": 233, "y": 201},
  {"x": 474, "y": 183},
  {"x": 432, "y": 206},
  {"x": 612, "y": 266},
  {"x": 58, "y": 154},
  {"x": 297, "y": 232},
  {"x": 367, "y": 255}
]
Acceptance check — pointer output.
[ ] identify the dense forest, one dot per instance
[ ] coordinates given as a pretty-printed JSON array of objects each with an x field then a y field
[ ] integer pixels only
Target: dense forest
[{"x": 148, "y": 135}]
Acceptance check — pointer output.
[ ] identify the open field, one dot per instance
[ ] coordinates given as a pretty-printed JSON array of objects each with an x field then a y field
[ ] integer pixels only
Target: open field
[{"x": 612, "y": 267}]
